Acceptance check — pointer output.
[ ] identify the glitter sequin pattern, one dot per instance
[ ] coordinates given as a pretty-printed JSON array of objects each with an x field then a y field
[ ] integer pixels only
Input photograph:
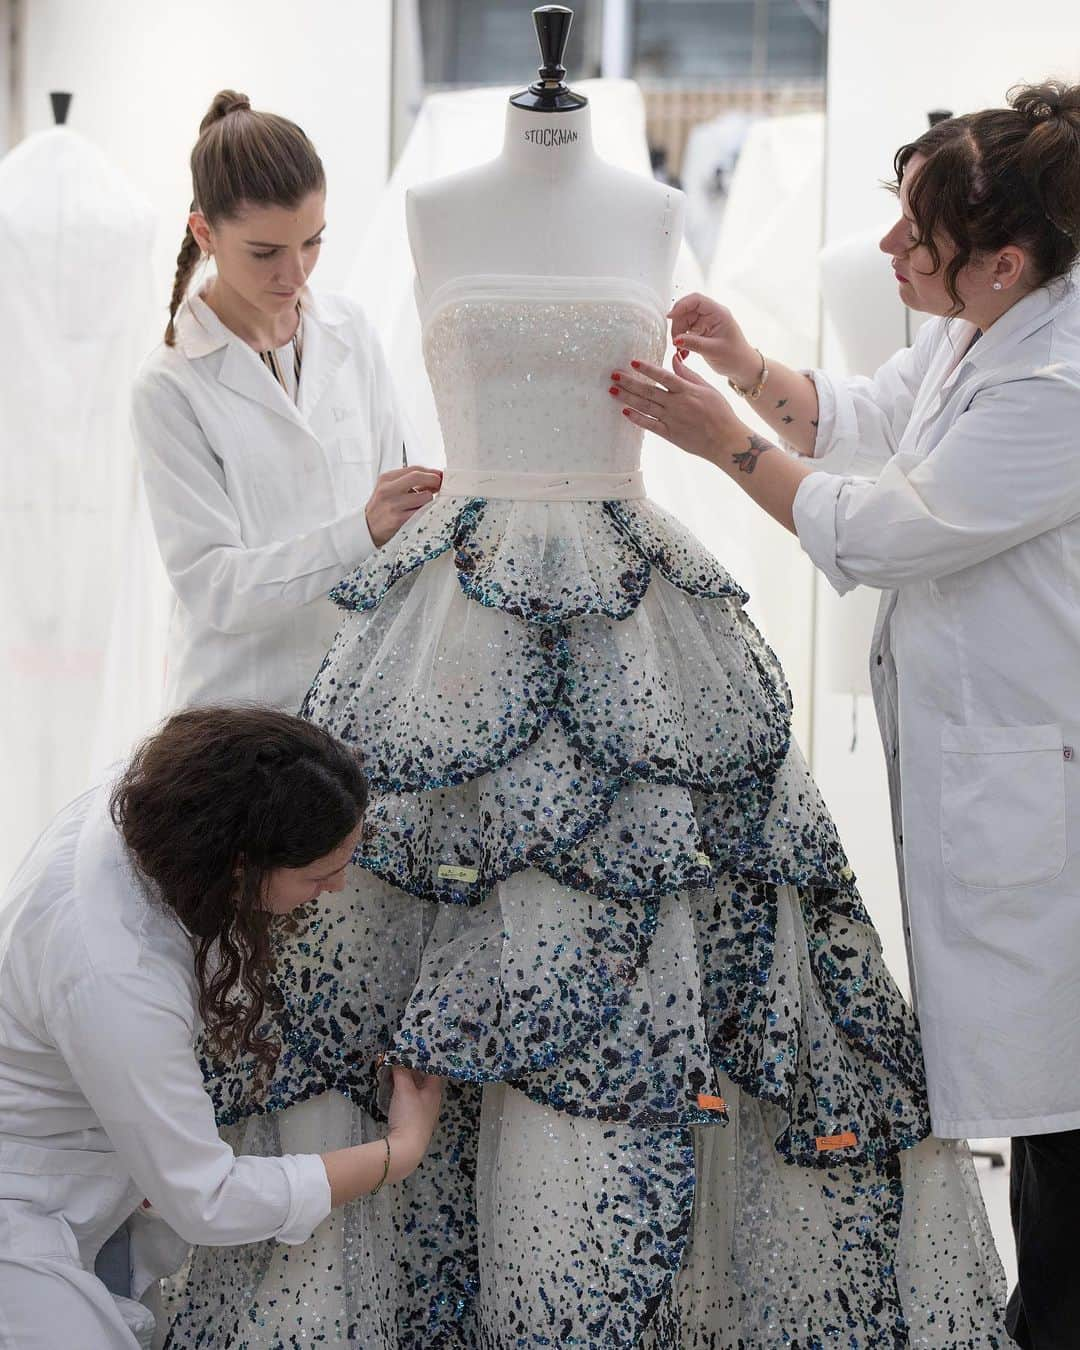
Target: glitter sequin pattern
[{"x": 601, "y": 894}]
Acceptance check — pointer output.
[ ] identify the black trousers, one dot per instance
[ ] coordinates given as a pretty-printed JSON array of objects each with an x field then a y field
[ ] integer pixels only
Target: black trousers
[{"x": 1044, "y": 1196}]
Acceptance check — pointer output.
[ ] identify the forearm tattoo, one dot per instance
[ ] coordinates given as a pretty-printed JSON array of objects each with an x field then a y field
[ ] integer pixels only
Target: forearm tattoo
[{"x": 746, "y": 460}]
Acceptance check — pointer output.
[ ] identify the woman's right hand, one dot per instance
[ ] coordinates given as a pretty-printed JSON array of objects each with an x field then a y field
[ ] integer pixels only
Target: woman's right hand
[
  {"x": 414, "y": 1111},
  {"x": 361, "y": 1169},
  {"x": 700, "y": 325},
  {"x": 399, "y": 494}
]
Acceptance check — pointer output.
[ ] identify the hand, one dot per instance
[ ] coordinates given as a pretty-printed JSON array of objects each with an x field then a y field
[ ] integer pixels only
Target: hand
[
  {"x": 414, "y": 1112},
  {"x": 398, "y": 495},
  {"x": 678, "y": 405},
  {"x": 700, "y": 325}
]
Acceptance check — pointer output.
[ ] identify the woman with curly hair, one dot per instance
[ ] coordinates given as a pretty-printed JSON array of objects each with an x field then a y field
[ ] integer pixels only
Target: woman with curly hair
[
  {"x": 142, "y": 918},
  {"x": 950, "y": 482}
]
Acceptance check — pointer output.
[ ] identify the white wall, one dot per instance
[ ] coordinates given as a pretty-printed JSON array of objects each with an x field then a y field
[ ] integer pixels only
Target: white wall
[
  {"x": 143, "y": 73},
  {"x": 889, "y": 64}
]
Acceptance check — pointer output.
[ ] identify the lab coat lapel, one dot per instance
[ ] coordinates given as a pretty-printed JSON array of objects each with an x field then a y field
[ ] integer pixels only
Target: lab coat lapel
[
  {"x": 995, "y": 348},
  {"x": 931, "y": 395},
  {"x": 243, "y": 373},
  {"x": 325, "y": 352}
]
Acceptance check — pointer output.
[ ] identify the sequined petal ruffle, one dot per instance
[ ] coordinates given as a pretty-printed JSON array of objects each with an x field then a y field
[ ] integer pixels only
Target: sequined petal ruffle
[
  {"x": 440, "y": 692},
  {"x": 429, "y": 533},
  {"x": 673, "y": 550},
  {"x": 545, "y": 562},
  {"x": 605, "y": 1009},
  {"x": 800, "y": 1011},
  {"x": 434, "y": 689},
  {"x": 676, "y": 693}
]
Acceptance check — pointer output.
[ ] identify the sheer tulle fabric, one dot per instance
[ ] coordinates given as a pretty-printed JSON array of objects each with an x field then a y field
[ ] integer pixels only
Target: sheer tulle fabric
[{"x": 600, "y": 893}]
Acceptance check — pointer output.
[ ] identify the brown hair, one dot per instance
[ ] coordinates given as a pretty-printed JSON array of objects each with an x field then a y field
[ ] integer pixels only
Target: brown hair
[
  {"x": 242, "y": 158},
  {"x": 1001, "y": 176},
  {"x": 208, "y": 807}
]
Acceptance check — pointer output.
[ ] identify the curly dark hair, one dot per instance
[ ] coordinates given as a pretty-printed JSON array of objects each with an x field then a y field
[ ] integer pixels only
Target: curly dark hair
[
  {"x": 1001, "y": 176},
  {"x": 208, "y": 807}
]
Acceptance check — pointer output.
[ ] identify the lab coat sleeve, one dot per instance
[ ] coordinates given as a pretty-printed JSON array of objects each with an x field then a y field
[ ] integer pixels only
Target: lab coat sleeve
[
  {"x": 219, "y": 579},
  {"x": 1006, "y": 471},
  {"x": 129, "y": 1047},
  {"x": 862, "y": 418}
]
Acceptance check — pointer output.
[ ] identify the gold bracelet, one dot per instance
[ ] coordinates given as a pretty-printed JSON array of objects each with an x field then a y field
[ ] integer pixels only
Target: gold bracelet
[
  {"x": 754, "y": 392},
  {"x": 386, "y": 1169}
]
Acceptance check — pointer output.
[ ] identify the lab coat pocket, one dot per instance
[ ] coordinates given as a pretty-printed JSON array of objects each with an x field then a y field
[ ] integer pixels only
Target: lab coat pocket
[
  {"x": 357, "y": 472},
  {"x": 1003, "y": 805},
  {"x": 357, "y": 449}
]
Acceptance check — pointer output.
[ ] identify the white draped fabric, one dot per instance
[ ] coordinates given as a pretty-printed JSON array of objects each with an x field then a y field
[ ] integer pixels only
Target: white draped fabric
[
  {"x": 862, "y": 307},
  {"x": 765, "y": 270},
  {"x": 76, "y": 239}
]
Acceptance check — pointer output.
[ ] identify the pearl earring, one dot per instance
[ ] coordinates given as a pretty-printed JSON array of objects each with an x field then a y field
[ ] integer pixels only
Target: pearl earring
[{"x": 996, "y": 286}]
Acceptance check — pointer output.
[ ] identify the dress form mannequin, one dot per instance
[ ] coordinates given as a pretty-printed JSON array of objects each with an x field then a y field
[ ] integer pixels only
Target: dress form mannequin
[
  {"x": 547, "y": 205},
  {"x": 519, "y": 667}
]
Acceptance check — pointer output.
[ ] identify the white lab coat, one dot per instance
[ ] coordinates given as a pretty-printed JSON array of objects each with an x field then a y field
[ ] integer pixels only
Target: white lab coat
[
  {"x": 969, "y": 519},
  {"x": 257, "y": 502},
  {"x": 102, "y": 1100}
]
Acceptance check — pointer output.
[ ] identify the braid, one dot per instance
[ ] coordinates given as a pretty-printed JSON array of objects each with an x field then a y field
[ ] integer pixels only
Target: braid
[{"x": 185, "y": 266}]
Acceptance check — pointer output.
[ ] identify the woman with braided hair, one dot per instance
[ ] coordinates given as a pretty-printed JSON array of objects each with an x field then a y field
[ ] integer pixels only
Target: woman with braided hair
[
  {"x": 146, "y": 914},
  {"x": 270, "y": 444}
]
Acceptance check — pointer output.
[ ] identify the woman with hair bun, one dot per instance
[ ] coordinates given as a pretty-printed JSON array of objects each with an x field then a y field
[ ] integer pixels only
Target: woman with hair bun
[
  {"x": 147, "y": 915},
  {"x": 270, "y": 444},
  {"x": 950, "y": 481}
]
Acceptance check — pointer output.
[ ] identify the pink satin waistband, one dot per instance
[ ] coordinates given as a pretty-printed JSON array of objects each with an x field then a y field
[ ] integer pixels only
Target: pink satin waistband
[{"x": 543, "y": 487}]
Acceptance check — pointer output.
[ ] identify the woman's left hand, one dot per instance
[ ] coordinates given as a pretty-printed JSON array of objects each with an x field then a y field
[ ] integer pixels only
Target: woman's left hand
[{"x": 678, "y": 405}]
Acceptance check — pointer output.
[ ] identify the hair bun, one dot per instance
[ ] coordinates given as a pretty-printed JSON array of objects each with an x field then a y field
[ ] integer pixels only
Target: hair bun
[
  {"x": 226, "y": 102},
  {"x": 1046, "y": 102}
]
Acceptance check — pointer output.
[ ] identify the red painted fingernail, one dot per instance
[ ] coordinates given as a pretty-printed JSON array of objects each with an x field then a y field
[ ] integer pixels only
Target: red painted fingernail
[
  {"x": 626, "y": 412},
  {"x": 615, "y": 375},
  {"x": 614, "y": 389},
  {"x": 684, "y": 354},
  {"x": 636, "y": 365}
]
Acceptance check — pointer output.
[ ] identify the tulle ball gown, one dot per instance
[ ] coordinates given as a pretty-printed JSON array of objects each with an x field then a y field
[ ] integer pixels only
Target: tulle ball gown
[{"x": 601, "y": 894}]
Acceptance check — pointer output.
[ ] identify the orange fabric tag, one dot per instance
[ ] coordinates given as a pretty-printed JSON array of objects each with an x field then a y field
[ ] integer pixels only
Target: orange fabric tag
[
  {"x": 829, "y": 1141},
  {"x": 707, "y": 1103}
]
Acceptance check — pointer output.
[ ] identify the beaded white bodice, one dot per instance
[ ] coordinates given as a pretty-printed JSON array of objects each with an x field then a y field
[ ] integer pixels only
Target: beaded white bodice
[{"x": 520, "y": 367}]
